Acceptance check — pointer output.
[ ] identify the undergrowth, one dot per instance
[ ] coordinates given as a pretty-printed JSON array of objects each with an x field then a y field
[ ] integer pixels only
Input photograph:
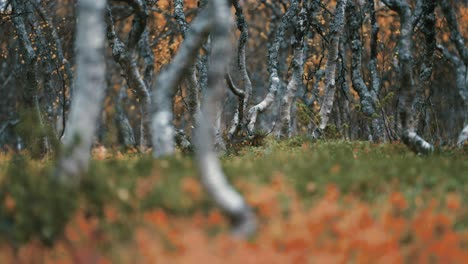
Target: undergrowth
[{"x": 124, "y": 193}]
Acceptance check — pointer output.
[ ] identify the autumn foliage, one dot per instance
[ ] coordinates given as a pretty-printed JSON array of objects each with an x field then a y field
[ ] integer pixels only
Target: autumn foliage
[{"x": 337, "y": 228}]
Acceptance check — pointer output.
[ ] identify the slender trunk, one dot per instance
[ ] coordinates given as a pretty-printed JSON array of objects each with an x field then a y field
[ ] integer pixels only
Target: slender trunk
[
  {"x": 125, "y": 56},
  {"x": 31, "y": 68},
  {"x": 125, "y": 130},
  {"x": 243, "y": 97},
  {"x": 169, "y": 79},
  {"x": 367, "y": 96},
  {"x": 273, "y": 67},
  {"x": 460, "y": 62},
  {"x": 90, "y": 82},
  {"x": 428, "y": 29},
  {"x": 336, "y": 30},
  {"x": 408, "y": 135},
  {"x": 192, "y": 79},
  {"x": 297, "y": 68},
  {"x": 212, "y": 175}
]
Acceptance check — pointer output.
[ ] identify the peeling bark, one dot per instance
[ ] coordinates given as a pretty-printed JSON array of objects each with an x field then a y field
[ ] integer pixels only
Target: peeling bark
[
  {"x": 90, "y": 82},
  {"x": 336, "y": 30}
]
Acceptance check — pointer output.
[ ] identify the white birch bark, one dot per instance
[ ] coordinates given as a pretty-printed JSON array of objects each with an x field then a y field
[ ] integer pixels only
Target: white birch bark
[
  {"x": 273, "y": 67},
  {"x": 367, "y": 95},
  {"x": 169, "y": 79},
  {"x": 245, "y": 94},
  {"x": 90, "y": 82},
  {"x": 408, "y": 135},
  {"x": 336, "y": 30},
  {"x": 125, "y": 55},
  {"x": 212, "y": 175},
  {"x": 297, "y": 68},
  {"x": 192, "y": 78}
]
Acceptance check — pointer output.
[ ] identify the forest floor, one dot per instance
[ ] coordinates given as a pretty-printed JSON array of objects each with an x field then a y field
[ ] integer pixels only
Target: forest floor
[{"x": 316, "y": 202}]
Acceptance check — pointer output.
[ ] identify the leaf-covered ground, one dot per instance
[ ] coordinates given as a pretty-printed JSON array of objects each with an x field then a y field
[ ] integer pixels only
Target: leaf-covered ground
[{"x": 317, "y": 202}]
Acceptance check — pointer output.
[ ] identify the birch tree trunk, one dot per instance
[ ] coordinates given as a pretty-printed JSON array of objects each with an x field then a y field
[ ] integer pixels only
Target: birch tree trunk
[
  {"x": 460, "y": 63},
  {"x": 273, "y": 67},
  {"x": 169, "y": 79},
  {"x": 245, "y": 94},
  {"x": 428, "y": 29},
  {"x": 367, "y": 95},
  {"x": 297, "y": 68},
  {"x": 336, "y": 30},
  {"x": 212, "y": 175},
  {"x": 125, "y": 56},
  {"x": 90, "y": 82},
  {"x": 31, "y": 69},
  {"x": 192, "y": 79},
  {"x": 408, "y": 133}
]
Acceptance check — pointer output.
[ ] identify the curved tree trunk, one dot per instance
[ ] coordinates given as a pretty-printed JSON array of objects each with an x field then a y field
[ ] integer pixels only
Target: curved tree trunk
[
  {"x": 408, "y": 134},
  {"x": 169, "y": 79},
  {"x": 273, "y": 67},
  {"x": 460, "y": 63},
  {"x": 212, "y": 175},
  {"x": 367, "y": 96},
  {"x": 243, "y": 95},
  {"x": 125, "y": 55}
]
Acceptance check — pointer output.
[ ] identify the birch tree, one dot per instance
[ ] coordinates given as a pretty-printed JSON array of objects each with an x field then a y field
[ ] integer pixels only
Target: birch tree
[
  {"x": 367, "y": 95},
  {"x": 460, "y": 62},
  {"x": 90, "y": 82},
  {"x": 125, "y": 55},
  {"x": 214, "y": 20},
  {"x": 407, "y": 89},
  {"x": 274, "y": 80},
  {"x": 336, "y": 29},
  {"x": 212, "y": 176},
  {"x": 297, "y": 70},
  {"x": 245, "y": 94}
]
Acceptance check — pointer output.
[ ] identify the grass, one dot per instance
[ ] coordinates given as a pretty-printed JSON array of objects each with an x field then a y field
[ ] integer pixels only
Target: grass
[{"x": 137, "y": 183}]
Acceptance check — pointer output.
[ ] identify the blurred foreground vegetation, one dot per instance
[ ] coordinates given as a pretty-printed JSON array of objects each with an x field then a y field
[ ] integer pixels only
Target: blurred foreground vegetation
[{"x": 121, "y": 190}]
